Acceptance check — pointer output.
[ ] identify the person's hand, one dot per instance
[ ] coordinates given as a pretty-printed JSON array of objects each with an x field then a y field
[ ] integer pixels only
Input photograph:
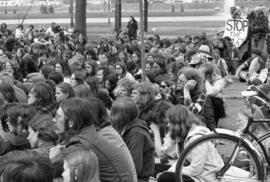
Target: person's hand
[
  {"x": 56, "y": 151},
  {"x": 190, "y": 84},
  {"x": 154, "y": 127}
]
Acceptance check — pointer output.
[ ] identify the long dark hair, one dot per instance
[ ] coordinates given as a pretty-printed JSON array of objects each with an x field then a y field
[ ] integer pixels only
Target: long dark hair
[
  {"x": 44, "y": 94},
  {"x": 180, "y": 120},
  {"x": 124, "y": 111},
  {"x": 80, "y": 112},
  {"x": 8, "y": 93},
  {"x": 193, "y": 74}
]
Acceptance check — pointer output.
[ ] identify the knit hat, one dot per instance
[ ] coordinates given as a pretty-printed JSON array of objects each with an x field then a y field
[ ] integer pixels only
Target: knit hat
[{"x": 234, "y": 10}]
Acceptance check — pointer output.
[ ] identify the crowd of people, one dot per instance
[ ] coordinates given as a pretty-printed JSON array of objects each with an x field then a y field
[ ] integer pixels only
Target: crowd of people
[{"x": 76, "y": 110}]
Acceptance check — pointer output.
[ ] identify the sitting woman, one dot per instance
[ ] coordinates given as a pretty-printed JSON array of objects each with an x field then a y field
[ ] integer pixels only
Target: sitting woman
[
  {"x": 190, "y": 91},
  {"x": 248, "y": 71},
  {"x": 81, "y": 166},
  {"x": 185, "y": 127},
  {"x": 136, "y": 135},
  {"x": 214, "y": 85},
  {"x": 122, "y": 72}
]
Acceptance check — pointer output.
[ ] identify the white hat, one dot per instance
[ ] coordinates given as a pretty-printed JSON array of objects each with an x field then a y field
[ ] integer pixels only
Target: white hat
[
  {"x": 199, "y": 57},
  {"x": 259, "y": 8},
  {"x": 205, "y": 49}
]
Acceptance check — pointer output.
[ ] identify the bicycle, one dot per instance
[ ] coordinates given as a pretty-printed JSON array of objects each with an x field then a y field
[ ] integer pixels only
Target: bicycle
[{"x": 242, "y": 161}]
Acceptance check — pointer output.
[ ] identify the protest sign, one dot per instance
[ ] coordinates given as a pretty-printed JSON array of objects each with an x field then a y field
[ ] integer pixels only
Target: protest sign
[{"x": 237, "y": 30}]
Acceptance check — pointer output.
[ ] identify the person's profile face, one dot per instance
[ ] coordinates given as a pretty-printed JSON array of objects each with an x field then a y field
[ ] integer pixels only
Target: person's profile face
[
  {"x": 60, "y": 95},
  {"x": 59, "y": 121},
  {"x": 32, "y": 138},
  {"x": 182, "y": 80},
  {"x": 31, "y": 97},
  {"x": 136, "y": 96}
]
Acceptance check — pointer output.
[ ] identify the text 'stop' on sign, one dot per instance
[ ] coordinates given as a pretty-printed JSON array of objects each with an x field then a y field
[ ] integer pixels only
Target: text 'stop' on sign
[{"x": 237, "y": 30}]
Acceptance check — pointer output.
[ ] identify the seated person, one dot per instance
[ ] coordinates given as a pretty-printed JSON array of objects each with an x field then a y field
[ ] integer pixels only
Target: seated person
[
  {"x": 20, "y": 166},
  {"x": 249, "y": 69},
  {"x": 14, "y": 121}
]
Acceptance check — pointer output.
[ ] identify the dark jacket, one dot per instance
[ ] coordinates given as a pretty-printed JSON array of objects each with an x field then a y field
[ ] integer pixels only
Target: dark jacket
[
  {"x": 138, "y": 139},
  {"x": 10, "y": 142},
  {"x": 112, "y": 165},
  {"x": 132, "y": 29}
]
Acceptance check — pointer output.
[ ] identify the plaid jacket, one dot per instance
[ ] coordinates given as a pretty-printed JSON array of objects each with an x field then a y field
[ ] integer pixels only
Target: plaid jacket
[{"x": 196, "y": 107}]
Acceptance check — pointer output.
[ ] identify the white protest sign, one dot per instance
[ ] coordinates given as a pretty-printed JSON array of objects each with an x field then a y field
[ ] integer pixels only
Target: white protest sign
[{"x": 237, "y": 30}]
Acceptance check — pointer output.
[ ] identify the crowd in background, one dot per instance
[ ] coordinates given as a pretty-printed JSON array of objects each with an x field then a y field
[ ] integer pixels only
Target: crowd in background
[{"x": 78, "y": 110}]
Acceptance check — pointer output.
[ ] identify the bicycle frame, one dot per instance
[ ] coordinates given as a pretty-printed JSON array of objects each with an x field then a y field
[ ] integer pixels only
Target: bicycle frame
[{"x": 243, "y": 138}]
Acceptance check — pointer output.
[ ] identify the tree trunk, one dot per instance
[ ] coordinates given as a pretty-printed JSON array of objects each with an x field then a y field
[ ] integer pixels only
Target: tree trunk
[{"x": 80, "y": 16}]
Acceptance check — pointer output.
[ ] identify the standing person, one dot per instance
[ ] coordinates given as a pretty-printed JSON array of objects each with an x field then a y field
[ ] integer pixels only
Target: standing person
[
  {"x": 132, "y": 28},
  {"x": 258, "y": 28},
  {"x": 136, "y": 135}
]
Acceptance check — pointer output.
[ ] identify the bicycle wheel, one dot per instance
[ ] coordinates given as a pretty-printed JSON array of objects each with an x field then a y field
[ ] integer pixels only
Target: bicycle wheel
[{"x": 244, "y": 165}]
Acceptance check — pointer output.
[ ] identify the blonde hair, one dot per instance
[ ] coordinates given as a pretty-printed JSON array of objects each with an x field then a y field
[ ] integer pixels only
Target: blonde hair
[{"x": 83, "y": 166}]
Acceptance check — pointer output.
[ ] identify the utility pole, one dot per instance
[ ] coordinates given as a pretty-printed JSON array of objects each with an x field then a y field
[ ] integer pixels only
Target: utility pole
[
  {"x": 80, "y": 19},
  {"x": 118, "y": 15},
  {"x": 109, "y": 11},
  {"x": 146, "y": 15},
  {"x": 71, "y": 14},
  {"x": 142, "y": 39}
]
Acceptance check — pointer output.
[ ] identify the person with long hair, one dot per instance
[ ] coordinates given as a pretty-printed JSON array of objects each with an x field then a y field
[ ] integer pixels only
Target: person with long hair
[
  {"x": 22, "y": 166},
  {"x": 14, "y": 120},
  {"x": 81, "y": 166},
  {"x": 41, "y": 96},
  {"x": 191, "y": 89},
  {"x": 90, "y": 68},
  {"x": 214, "y": 85},
  {"x": 7, "y": 93},
  {"x": 121, "y": 71},
  {"x": 12, "y": 68},
  {"x": 135, "y": 133},
  {"x": 63, "y": 91},
  {"x": 132, "y": 28},
  {"x": 75, "y": 124},
  {"x": 185, "y": 127},
  {"x": 42, "y": 134}
]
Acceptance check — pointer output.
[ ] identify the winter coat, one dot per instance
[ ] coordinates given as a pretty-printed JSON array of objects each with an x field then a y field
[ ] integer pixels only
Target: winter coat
[
  {"x": 113, "y": 166},
  {"x": 138, "y": 139}
]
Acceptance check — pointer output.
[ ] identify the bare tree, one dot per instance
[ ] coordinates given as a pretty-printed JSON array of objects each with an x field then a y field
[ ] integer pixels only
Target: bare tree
[{"x": 80, "y": 16}]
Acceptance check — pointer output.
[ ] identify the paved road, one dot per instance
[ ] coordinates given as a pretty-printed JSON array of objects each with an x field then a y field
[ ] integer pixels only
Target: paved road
[{"x": 124, "y": 20}]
